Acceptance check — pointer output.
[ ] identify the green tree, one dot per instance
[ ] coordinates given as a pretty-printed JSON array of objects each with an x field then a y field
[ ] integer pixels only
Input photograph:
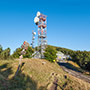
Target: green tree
[
  {"x": 82, "y": 58},
  {"x": 1, "y": 49},
  {"x": 29, "y": 52},
  {"x": 5, "y": 54},
  {"x": 50, "y": 53},
  {"x": 17, "y": 53}
]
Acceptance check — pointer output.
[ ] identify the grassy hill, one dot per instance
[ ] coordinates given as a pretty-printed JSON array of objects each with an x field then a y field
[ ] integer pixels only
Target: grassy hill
[{"x": 34, "y": 75}]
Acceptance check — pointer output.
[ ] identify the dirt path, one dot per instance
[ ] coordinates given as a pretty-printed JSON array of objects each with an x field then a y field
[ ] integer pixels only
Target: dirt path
[{"x": 74, "y": 72}]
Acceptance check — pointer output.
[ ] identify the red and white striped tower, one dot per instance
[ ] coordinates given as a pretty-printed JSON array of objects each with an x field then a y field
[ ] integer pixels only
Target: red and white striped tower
[{"x": 42, "y": 32}]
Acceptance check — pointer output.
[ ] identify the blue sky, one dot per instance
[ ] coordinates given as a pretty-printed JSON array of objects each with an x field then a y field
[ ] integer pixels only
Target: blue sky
[{"x": 68, "y": 22}]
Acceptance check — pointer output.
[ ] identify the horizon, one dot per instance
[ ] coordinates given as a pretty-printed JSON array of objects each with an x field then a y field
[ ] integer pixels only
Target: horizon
[{"x": 68, "y": 23}]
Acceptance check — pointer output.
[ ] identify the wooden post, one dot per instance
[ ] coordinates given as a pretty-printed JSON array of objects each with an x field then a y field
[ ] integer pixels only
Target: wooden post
[{"x": 20, "y": 59}]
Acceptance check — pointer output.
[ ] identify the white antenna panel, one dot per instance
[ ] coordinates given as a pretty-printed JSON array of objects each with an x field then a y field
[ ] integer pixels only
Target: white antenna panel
[
  {"x": 38, "y": 14},
  {"x": 36, "y": 19}
]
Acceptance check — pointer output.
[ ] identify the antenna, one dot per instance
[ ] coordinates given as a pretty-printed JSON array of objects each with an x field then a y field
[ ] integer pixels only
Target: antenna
[
  {"x": 33, "y": 38},
  {"x": 38, "y": 14},
  {"x": 36, "y": 20},
  {"x": 40, "y": 21}
]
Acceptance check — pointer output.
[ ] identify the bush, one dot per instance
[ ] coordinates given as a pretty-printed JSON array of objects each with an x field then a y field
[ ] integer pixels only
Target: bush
[
  {"x": 17, "y": 53},
  {"x": 82, "y": 58},
  {"x": 5, "y": 54},
  {"x": 50, "y": 54},
  {"x": 1, "y": 49},
  {"x": 28, "y": 54}
]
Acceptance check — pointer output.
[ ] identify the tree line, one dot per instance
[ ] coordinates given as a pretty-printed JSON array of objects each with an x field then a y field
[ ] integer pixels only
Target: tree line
[
  {"x": 28, "y": 54},
  {"x": 82, "y": 58},
  {"x": 5, "y": 54}
]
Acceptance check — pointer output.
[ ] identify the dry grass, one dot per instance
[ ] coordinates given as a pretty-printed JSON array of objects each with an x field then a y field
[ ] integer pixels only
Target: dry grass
[
  {"x": 74, "y": 64},
  {"x": 36, "y": 76}
]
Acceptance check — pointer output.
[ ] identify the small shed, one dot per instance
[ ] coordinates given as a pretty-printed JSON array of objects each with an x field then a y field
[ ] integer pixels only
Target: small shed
[{"x": 61, "y": 56}]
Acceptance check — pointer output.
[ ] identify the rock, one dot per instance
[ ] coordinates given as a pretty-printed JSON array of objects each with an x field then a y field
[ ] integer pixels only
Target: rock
[
  {"x": 65, "y": 76},
  {"x": 43, "y": 63}
]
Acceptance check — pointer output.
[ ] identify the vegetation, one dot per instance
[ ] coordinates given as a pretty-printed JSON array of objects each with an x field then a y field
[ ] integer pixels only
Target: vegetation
[
  {"x": 36, "y": 76},
  {"x": 17, "y": 53},
  {"x": 4, "y": 54},
  {"x": 82, "y": 58},
  {"x": 50, "y": 53},
  {"x": 28, "y": 54}
]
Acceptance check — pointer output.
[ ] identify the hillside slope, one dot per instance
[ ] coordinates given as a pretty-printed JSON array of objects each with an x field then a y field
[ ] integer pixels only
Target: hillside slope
[{"x": 37, "y": 74}]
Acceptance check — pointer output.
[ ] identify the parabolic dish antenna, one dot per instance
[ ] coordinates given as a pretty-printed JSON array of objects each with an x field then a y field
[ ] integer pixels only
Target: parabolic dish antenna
[
  {"x": 34, "y": 33},
  {"x": 38, "y": 14},
  {"x": 33, "y": 38},
  {"x": 36, "y": 19}
]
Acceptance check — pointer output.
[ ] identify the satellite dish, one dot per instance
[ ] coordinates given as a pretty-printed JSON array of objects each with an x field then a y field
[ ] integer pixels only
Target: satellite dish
[
  {"x": 36, "y": 20},
  {"x": 23, "y": 50},
  {"x": 45, "y": 43},
  {"x": 33, "y": 38},
  {"x": 38, "y": 14},
  {"x": 34, "y": 33}
]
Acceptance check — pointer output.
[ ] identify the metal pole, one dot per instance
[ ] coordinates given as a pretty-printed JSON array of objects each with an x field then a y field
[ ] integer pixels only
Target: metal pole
[
  {"x": 41, "y": 40},
  {"x": 41, "y": 46}
]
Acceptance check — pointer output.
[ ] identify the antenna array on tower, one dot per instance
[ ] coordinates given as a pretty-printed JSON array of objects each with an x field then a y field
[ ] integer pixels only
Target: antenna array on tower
[{"x": 40, "y": 21}]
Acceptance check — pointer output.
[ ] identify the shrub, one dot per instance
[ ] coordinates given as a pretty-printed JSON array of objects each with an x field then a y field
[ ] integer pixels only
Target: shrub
[
  {"x": 82, "y": 58},
  {"x": 5, "y": 54},
  {"x": 28, "y": 54},
  {"x": 50, "y": 53},
  {"x": 17, "y": 53},
  {"x": 1, "y": 49}
]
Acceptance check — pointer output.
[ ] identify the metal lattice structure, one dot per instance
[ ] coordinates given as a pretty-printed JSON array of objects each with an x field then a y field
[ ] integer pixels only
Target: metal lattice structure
[
  {"x": 33, "y": 38},
  {"x": 24, "y": 47},
  {"x": 41, "y": 21}
]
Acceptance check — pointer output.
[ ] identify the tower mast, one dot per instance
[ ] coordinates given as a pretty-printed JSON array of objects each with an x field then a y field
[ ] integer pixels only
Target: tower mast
[{"x": 40, "y": 20}]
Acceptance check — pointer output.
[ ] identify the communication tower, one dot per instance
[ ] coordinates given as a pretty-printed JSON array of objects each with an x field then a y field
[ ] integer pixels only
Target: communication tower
[
  {"x": 40, "y": 21},
  {"x": 33, "y": 38}
]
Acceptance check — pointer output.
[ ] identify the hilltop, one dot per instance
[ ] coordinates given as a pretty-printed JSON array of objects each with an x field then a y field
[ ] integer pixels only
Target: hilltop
[{"x": 37, "y": 74}]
